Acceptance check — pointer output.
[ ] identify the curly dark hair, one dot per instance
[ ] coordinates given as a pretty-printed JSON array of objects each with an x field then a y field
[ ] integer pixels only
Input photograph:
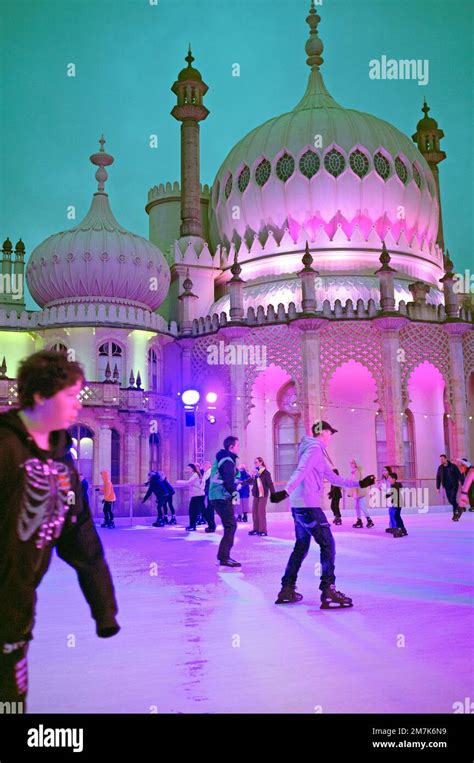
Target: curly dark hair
[{"x": 45, "y": 373}]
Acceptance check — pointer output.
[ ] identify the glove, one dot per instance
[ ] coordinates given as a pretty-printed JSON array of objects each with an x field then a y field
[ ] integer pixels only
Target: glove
[
  {"x": 280, "y": 495},
  {"x": 235, "y": 497},
  {"x": 107, "y": 627},
  {"x": 367, "y": 481}
]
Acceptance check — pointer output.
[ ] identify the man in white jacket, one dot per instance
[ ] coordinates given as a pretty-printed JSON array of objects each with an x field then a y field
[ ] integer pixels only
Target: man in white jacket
[{"x": 305, "y": 488}]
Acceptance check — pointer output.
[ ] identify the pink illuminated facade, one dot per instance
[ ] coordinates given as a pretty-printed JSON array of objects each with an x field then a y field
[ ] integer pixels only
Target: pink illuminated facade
[{"x": 314, "y": 269}]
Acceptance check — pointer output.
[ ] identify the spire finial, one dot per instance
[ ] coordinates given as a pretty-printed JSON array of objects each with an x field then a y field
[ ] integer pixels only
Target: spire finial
[
  {"x": 235, "y": 269},
  {"x": 314, "y": 46},
  {"x": 189, "y": 58},
  {"x": 425, "y": 107},
  {"x": 307, "y": 259},
  {"x": 101, "y": 159}
]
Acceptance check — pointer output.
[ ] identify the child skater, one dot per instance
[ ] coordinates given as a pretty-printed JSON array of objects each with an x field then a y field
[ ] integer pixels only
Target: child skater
[{"x": 395, "y": 499}]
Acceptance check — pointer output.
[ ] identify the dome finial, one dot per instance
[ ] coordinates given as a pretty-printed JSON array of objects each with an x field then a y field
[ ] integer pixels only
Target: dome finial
[
  {"x": 425, "y": 107},
  {"x": 101, "y": 160},
  {"x": 314, "y": 46},
  {"x": 189, "y": 58}
]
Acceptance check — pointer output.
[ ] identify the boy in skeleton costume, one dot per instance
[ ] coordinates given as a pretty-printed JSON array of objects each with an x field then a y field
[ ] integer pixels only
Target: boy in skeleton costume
[{"x": 41, "y": 507}]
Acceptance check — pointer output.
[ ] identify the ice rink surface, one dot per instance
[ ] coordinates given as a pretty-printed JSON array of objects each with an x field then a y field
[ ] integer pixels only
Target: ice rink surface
[{"x": 195, "y": 639}]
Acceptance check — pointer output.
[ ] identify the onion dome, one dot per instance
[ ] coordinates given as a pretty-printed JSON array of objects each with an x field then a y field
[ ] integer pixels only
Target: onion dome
[
  {"x": 340, "y": 178},
  {"x": 98, "y": 260}
]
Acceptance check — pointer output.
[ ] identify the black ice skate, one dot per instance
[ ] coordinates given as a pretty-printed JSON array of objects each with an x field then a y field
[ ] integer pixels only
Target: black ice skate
[
  {"x": 288, "y": 595},
  {"x": 165, "y": 520},
  {"x": 337, "y": 521},
  {"x": 239, "y": 518},
  {"x": 245, "y": 518},
  {"x": 173, "y": 520},
  {"x": 229, "y": 563},
  {"x": 330, "y": 598},
  {"x": 369, "y": 522},
  {"x": 358, "y": 523}
]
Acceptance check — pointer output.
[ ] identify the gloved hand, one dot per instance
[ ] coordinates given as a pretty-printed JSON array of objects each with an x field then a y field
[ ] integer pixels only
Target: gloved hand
[
  {"x": 107, "y": 626},
  {"x": 367, "y": 481},
  {"x": 280, "y": 495},
  {"x": 235, "y": 497}
]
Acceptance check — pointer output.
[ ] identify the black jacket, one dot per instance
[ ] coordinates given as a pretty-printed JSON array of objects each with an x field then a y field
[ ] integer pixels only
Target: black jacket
[
  {"x": 228, "y": 470},
  {"x": 448, "y": 476},
  {"x": 156, "y": 486},
  {"x": 41, "y": 506},
  {"x": 394, "y": 496},
  {"x": 267, "y": 483}
]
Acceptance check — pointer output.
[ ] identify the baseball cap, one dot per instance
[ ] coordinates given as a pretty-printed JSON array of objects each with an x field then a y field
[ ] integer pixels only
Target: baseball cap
[{"x": 320, "y": 426}]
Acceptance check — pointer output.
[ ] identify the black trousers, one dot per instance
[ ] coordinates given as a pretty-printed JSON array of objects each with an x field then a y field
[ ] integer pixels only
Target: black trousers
[
  {"x": 14, "y": 675},
  {"x": 209, "y": 515},
  {"x": 335, "y": 507},
  {"x": 108, "y": 511},
  {"x": 196, "y": 507},
  {"x": 168, "y": 502},
  {"x": 311, "y": 523},
  {"x": 225, "y": 510},
  {"x": 452, "y": 495}
]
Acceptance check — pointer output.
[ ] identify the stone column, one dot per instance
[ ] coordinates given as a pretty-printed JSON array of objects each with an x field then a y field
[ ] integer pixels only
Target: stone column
[
  {"x": 310, "y": 358},
  {"x": 187, "y": 450},
  {"x": 393, "y": 405},
  {"x": 131, "y": 451},
  {"x": 451, "y": 301},
  {"x": 144, "y": 452},
  {"x": 238, "y": 416},
  {"x": 104, "y": 451},
  {"x": 460, "y": 440}
]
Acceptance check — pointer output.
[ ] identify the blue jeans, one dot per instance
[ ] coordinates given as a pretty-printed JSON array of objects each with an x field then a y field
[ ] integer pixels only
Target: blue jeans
[
  {"x": 391, "y": 513},
  {"x": 311, "y": 522}
]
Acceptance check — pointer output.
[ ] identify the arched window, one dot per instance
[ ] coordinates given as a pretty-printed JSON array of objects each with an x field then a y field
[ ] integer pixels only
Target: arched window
[
  {"x": 408, "y": 431},
  {"x": 154, "y": 381},
  {"x": 115, "y": 457},
  {"x": 155, "y": 452},
  {"x": 288, "y": 431},
  {"x": 83, "y": 448},
  {"x": 110, "y": 362}
]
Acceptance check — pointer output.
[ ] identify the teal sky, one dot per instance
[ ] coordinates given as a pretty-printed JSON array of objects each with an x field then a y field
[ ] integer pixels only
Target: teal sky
[{"x": 128, "y": 53}]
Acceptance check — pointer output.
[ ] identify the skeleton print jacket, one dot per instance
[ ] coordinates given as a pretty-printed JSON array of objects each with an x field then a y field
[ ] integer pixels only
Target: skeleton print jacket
[{"x": 41, "y": 507}]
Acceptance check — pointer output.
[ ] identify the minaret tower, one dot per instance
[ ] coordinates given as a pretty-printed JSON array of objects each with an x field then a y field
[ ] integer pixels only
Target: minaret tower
[
  {"x": 190, "y": 110},
  {"x": 427, "y": 139}
]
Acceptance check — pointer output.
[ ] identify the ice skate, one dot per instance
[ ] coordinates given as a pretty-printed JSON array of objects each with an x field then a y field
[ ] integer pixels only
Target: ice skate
[
  {"x": 358, "y": 523},
  {"x": 253, "y": 532},
  {"x": 165, "y": 520},
  {"x": 337, "y": 521},
  {"x": 190, "y": 528},
  {"x": 173, "y": 520},
  {"x": 245, "y": 518},
  {"x": 370, "y": 523},
  {"x": 229, "y": 563},
  {"x": 239, "y": 518},
  {"x": 288, "y": 595},
  {"x": 390, "y": 529},
  {"x": 330, "y": 598}
]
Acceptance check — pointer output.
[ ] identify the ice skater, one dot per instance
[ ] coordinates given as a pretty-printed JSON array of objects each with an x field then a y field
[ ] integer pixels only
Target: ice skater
[
  {"x": 359, "y": 497},
  {"x": 467, "y": 470},
  {"x": 243, "y": 487},
  {"x": 196, "y": 485},
  {"x": 262, "y": 487},
  {"x": 394, "y": 498},
  {"x": 168, "y": 500},
  {"x": 335, "y": 494},
  {"x": 305, "y": 488},
  {"x": 42, "y": 508},
  {"x": 449, "y": 476},
  {"x": 157, "y": 488},
  {"x": 108, "y": 501},
  {"x": 384, "y": 487},
  {"x": 223, "y": 496},
  {"x": 467, "y": 486}
]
